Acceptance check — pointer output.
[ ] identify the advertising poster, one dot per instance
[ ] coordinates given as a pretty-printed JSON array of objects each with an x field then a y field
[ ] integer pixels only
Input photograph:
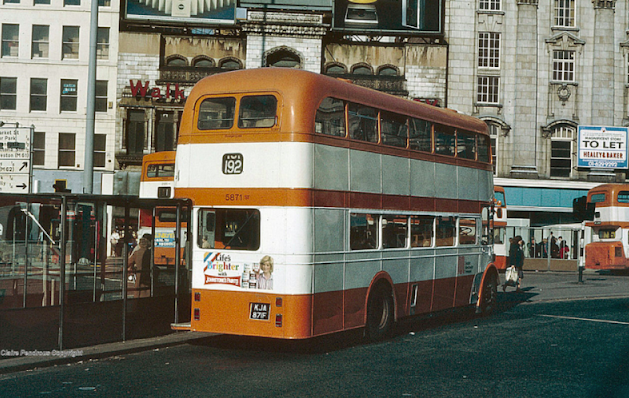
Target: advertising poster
[
  {"x": 602, "y": 147},
  {"x": 197, "y": 11},
  {"x": 411, "y": 17}
]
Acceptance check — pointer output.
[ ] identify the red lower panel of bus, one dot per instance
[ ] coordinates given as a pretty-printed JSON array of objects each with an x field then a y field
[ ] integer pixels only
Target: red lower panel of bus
[
  {"x": 302, "y": 316},
  {"x": 605, "y": 255},
  {"x": 501, "y": 262}
]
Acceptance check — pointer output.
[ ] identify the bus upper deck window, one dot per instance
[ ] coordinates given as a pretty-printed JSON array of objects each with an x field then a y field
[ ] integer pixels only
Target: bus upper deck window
[
  {"x": 257, "y": 111},
  {"x": 623, "y": 197},
  {"x": 330, "y": 117},
  {"x": 160, "y": 170},
  {"x": 483, "y": 150},
  {"x": 216, "y": 113}
]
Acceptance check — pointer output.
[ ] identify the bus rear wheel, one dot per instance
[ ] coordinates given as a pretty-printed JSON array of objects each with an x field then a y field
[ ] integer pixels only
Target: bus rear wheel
[
  {"x": 490, "y": 295},
  {"x": 379, "y": 314}
]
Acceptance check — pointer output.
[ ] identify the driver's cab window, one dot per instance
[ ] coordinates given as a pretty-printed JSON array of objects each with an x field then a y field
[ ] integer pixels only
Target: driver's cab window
[{"x": 236, "y": 229}]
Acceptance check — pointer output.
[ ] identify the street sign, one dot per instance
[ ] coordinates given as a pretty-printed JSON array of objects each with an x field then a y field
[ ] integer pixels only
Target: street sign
[
  {"x": 15, "y": 159},
  {"x": 14, "y": 183}
]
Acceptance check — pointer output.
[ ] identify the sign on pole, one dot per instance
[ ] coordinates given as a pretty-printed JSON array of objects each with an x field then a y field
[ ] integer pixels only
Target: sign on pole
[
  {"x": 15, "y": 159},
  {"x": 602, "y": 147}
]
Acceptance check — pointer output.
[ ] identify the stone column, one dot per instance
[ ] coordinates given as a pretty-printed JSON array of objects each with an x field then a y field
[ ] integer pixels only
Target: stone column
[
  {"x": 525, "y": 128},
  {"x": 603, "y": 64}
]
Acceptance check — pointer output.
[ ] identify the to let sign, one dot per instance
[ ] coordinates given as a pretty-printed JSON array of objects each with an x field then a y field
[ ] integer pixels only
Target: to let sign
[{"x": 602, "y": 147}]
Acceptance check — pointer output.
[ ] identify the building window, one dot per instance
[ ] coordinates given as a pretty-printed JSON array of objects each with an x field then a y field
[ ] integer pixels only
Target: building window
[
  {"x": 177, "y": 62},
  {"x": 561, "y": 152},
  {"x": 104, "y": 3},
  {"x": 563, "y": 66},
  {"x": 283, "y": 59},
  {"x": 41, "y": 40},
  {"x": 494, "y": 135},
  {"x": 564, "y": 13},
  {"x": 70, "y": 47},
  {"x": 39, "y": 148},
  {"x": 488, "y": 89},
  {"x": 11, "y": 1},
  {"x": 362, "y": 70},
  {"x": 230, "y": 64},
  {"x": 335, "y": 69},
  {"x": 8, "y": 93},
  {"x": 68, "y": 95},
  {"x": 71, "y": 2},
  {"x": 135, "y": 132},
  {"x": 100, "y": 103},
  {"x": 490, "y": 5},
  {"x": 102, "y": 43},
  {"x": 387, "y": 71},
  {"x": 488, "y": 50},
  {"x": 10, "y": 40},
  {"x": 100, "y": 150},
  {"x": 67, "y": 145},
  {"x": 42, "y": 2},
  {"x": 39, "y": 93},
  {"x": 203, "y": 62},
  {"x": 165, "y": 131}
]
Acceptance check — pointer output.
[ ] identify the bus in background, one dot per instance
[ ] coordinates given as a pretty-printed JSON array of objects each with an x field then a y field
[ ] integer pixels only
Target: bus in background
[
  {"x": 157, "y": 180},
  {"x": 322, "y": 206},
  {"x": 158, "y": 172},
  {"x": 608, "y": 249},
  {"x": 501, "y": 244}
]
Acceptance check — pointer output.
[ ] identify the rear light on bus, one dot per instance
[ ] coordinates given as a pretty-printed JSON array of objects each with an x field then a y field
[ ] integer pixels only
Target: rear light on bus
[
  {"x": 618, "y": 252},
  {"x": 278, "y": 301},
  {"x": 197, "y": 296},
  {"x": 197, "y": 314},
  {"x": 278, "y": 320}
]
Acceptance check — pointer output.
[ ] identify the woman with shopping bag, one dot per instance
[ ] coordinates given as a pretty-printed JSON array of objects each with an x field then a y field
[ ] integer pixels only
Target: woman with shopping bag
[{"x": 514, "y": 273}]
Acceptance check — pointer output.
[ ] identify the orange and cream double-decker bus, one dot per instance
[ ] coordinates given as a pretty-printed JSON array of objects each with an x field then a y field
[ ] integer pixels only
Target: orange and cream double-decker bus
[
  {"x": 320, "y": 206},
  {"x": 501, "y": 244},
  {"x": 158, "y": 172},
  {"x": 608, "y": 249}
]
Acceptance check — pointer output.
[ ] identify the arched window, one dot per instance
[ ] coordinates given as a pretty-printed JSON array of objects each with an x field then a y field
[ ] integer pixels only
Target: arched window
[
  {"x": 335, "y": 69},
  {"x": 230, "y": 64},
  {"x": 362, "y": 69},
  {"x": 388, "y": 70},
  {"x": 283, "y": 58},
  {"x": 203, "y": 62},
  {"x": 176, "y": 61}
]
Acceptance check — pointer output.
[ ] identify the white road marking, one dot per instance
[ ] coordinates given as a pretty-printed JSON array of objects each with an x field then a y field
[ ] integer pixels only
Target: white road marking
[{"x": 584, "y": 319}]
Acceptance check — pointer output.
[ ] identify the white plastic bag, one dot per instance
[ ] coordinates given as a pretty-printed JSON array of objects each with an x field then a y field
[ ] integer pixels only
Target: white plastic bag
[{"x": 511, "y": 276}]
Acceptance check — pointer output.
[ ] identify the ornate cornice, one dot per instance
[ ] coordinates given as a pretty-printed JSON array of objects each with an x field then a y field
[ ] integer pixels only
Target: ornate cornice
[{"x": 606, "y": 4}]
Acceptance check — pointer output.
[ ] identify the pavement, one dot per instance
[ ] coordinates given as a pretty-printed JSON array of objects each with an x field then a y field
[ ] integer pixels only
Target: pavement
[{"x": 536, "y": 286}]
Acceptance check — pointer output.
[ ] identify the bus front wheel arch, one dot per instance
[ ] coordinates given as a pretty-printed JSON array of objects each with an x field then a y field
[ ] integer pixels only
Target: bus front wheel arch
[{"x": 380, "y": 313}]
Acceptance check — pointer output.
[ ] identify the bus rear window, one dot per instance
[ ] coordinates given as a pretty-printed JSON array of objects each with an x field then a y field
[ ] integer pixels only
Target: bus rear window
[
  {"x": 216, "y": 113},
  {"x": 160, "y": 170},
  {"x": 235, "y": 229},
  {"x": 597, "y": 198},
  {"x": 257, "y": 111}
]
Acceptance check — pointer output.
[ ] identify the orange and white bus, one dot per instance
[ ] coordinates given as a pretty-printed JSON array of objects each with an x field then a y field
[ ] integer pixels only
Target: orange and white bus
[
  {"x": 608, "y": 249},
  {"x": 321, "y": 206},
  {"x": 157, "y": 181},
  {"x": 158, "y": 172},
  {"x": 501, "y": 244}
]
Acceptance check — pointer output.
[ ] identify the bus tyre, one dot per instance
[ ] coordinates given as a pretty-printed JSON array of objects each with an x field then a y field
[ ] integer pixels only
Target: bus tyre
[
  {"x": 490, "y": 295},
  {"x": 379, "y": 314}
]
